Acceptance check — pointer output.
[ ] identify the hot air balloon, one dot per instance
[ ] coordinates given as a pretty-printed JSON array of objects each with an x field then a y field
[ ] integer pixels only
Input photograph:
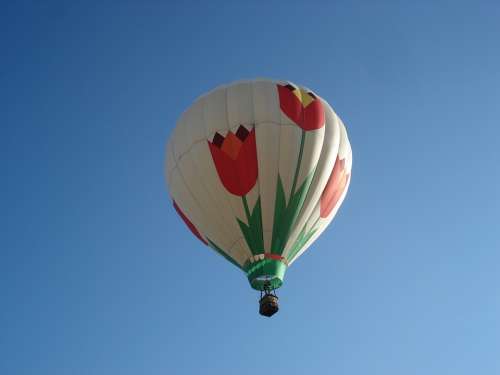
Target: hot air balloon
[{"x": 257, "y": 170}]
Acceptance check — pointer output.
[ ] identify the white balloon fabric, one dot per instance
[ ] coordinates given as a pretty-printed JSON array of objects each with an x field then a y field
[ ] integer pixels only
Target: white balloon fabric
[{"x": 257, "y": 170}]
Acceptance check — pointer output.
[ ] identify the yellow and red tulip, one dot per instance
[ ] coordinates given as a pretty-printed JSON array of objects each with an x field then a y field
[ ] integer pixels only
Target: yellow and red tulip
[{"x": 302, "y": 107}]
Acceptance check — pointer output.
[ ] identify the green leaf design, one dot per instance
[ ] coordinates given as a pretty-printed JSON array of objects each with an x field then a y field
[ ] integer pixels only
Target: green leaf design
[
  {"x": 223, "y": 253},
  {"x": 253, "y": 230},
  {"x": 286, "y": 214},
  {"x": 300, "y": 242}
]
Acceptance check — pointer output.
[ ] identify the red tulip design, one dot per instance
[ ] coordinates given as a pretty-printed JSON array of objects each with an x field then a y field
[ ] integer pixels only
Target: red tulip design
[
  {"x": 189, "y": 224},
  {"x": 334, "y": 188},
  {"x": 305, "y": 110},
  {"x": 302, "y": 107},
  {"x": 235, "y": 158}
]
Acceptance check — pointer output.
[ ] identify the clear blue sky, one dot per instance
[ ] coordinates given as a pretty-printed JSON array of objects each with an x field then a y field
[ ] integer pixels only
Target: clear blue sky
[{"x": 407, "y": 279}]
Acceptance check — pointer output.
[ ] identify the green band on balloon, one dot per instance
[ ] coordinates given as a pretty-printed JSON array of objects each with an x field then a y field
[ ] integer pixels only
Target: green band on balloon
[{"x": 266, "y": 273}]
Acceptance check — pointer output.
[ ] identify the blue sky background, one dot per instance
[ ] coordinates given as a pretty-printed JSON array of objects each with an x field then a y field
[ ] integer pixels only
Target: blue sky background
[{"x": 98, "y": 275}]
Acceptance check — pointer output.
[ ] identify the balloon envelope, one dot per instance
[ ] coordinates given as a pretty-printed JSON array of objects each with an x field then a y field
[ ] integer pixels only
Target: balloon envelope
[{"x": 257, "y": 170}]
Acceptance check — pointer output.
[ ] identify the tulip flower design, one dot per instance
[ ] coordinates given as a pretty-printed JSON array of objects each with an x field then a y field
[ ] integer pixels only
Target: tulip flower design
[
  {"x": 334, "y": 188},
  {"x": 235, "y": 159},
  {"x": 302, "y": 107},
  {"x": 307, "y": 112},
  {"x": 189, "y": 224}
]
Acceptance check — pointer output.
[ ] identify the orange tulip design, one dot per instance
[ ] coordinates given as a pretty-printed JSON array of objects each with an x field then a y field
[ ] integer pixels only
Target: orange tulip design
[{"x": 334, "y": 188}]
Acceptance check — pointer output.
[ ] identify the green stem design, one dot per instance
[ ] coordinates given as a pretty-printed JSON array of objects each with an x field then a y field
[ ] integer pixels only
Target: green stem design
[
  {"x": 299, "y": 161},
  {"x": 247, "y": 210},
  {"x": 286, "y": 213}
]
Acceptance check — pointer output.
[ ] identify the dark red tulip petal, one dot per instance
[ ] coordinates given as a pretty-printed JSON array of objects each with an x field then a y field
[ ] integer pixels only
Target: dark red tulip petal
[
  {"x": 242, "y": 133},
  {"x": 218, "y": 140}
]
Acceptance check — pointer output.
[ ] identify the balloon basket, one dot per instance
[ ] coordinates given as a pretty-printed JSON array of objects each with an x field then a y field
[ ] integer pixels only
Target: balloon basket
[{"x": 268, "y": 303}]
